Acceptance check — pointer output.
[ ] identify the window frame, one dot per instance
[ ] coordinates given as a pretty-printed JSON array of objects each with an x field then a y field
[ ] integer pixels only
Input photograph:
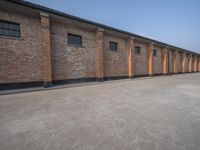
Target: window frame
[
  {"x": 137, "y": 48},
  {"x": 74, "y": 44},
  {"x": 110, "y": 46},
  {"x": 13, "y": 29}
]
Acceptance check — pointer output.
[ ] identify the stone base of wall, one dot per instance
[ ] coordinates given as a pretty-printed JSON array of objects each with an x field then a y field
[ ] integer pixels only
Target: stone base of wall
[
  {"x": 21, "y": 85},
  {"x": 69, "y": 81},
  {"x": 47, "y": 84},
  {"x": 115, "y": 78},
  {"x": 9, "y": 86},
  {"x": 142, "y": 75}
]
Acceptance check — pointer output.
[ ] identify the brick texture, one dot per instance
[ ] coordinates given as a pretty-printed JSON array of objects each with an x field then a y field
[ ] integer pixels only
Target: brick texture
[
  {"x": 179, "y": 68},
  {"x": 21, "y": 58},
  {"x": 46, "y": 49},
  {"x": 99, "y": 54},
  {"x": 141, "y": 59},
  {"x": 175, "y": 61},
  {"x": 115, "y": 62},
  {"x": 199, "y": 64},
  {"x": 130, "y": 49},
  {"x": 43, "y": 53},
  {"x": 165, "y": 60},
  {"x": 187, "y": 63},
  {"x": 183, "y": 62},
  {"x": 71, "y": 62},
  {"x": 150, "y": 59},
  {"x": 157, "y": 61},
  {"x": 190, "y": 63},
  {"x": 170, "y": 61}
]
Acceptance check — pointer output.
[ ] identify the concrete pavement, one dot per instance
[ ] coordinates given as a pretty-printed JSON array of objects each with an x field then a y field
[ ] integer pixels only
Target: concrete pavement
[{"x": 161, "y": 113}]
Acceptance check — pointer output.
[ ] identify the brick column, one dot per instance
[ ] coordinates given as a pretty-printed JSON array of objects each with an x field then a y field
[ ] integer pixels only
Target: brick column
[
  {"x": 198, "y": 64},
  {"x": 175, "y": 64},
  {"x": 165, "y": 61},
  {"x": 46, "y": 49},
  {"x": 180, "y": 62},
  {"x": 190, "y": 63},
  {"x": 188, "y": 59},
  {"x": 130, "y": 48},
  {"x": 195, "y": 63},
  {"x": 150, "y": 58},
  {"x": 99, "y": 55},
  {"x": 183, "y": 62}
]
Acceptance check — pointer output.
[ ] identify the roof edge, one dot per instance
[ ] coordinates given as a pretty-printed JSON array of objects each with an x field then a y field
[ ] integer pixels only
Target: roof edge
[{"x": 59, "y": 13}]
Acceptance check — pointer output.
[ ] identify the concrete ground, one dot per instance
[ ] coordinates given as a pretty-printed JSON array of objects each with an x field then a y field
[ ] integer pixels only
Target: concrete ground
[{"x": 161, "y": 113}]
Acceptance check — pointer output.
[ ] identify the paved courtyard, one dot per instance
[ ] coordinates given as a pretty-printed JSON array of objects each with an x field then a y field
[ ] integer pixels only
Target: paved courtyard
[{"x": 161, "y": 113}]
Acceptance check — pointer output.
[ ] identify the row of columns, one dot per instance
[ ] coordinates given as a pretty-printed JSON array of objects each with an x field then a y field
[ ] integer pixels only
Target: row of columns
[
  {"x": 194, "y": 65},
  {"x": 46, "y": 51}
]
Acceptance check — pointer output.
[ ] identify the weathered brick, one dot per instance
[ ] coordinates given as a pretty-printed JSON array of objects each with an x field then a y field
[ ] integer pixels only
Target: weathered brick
[
  {"x": 141, "y": 59},
  {"x": 43, "y": 54},
  {"x": 115, "y": 62},
  {"x": 21, "y": 58}
]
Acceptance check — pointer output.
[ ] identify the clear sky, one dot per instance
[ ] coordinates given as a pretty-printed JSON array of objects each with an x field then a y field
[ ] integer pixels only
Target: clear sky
[{"x": 176, "y": 22}]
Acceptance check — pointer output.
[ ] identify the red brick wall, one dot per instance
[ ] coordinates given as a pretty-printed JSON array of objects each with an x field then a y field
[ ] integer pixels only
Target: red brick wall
[
  {"x": 21, "y": 58},
  {"x": 141, "y": 60},
  {"x": 187, "y": 65},
  {"x": 170, "y": 61},
  {"x": 157, "y": 62},
  {"x": 115, "y": 62},
  {"x": 198, "y": 64},
  {"x": 179, "y": 62},
  {"x": 69, "y": 62}
]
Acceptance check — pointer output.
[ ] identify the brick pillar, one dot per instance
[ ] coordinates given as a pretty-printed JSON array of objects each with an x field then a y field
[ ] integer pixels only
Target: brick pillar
[
  {"x": 188, "y": 59},
  {"x": 183, "y": 62},
  {"x": 130, "y": 48},
  {"x": 190, "y": 63},
  {"x": 150, "y": 58},
  {"x": 195, "y": 63},
  {"x": 99, "y": 55},
  {"x": 46, "y": 49},
  {"x": 175, "y": 54},
  {"x": 198, "y": 64},
  {"x": 165, "y": 61},
  {"x": 180, "y": 62}
]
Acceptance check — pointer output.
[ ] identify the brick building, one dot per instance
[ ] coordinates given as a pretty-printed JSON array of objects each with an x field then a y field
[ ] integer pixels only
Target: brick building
[{"x": 43, "y": 47}]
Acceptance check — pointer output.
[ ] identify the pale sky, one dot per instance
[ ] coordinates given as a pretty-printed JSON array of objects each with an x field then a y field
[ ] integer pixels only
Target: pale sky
[{"x": 176, "y": 22}]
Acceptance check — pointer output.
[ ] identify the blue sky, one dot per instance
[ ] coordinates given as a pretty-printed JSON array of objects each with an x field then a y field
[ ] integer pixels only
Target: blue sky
[{"x": 175, "y": 22}]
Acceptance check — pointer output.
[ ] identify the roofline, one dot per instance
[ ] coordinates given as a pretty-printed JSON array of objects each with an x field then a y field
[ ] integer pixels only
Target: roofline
[{"x": 59, "y": 13}]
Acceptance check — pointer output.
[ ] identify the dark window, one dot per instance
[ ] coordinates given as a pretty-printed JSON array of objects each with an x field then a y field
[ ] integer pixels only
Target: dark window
[
  {"x": 9, "y": 29},
  {"x": 112, "y": 45},
  {"x": 137, "y": 50},
  {"x": 74, "y": 40},
  {"x": 155, "y": 52}
]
